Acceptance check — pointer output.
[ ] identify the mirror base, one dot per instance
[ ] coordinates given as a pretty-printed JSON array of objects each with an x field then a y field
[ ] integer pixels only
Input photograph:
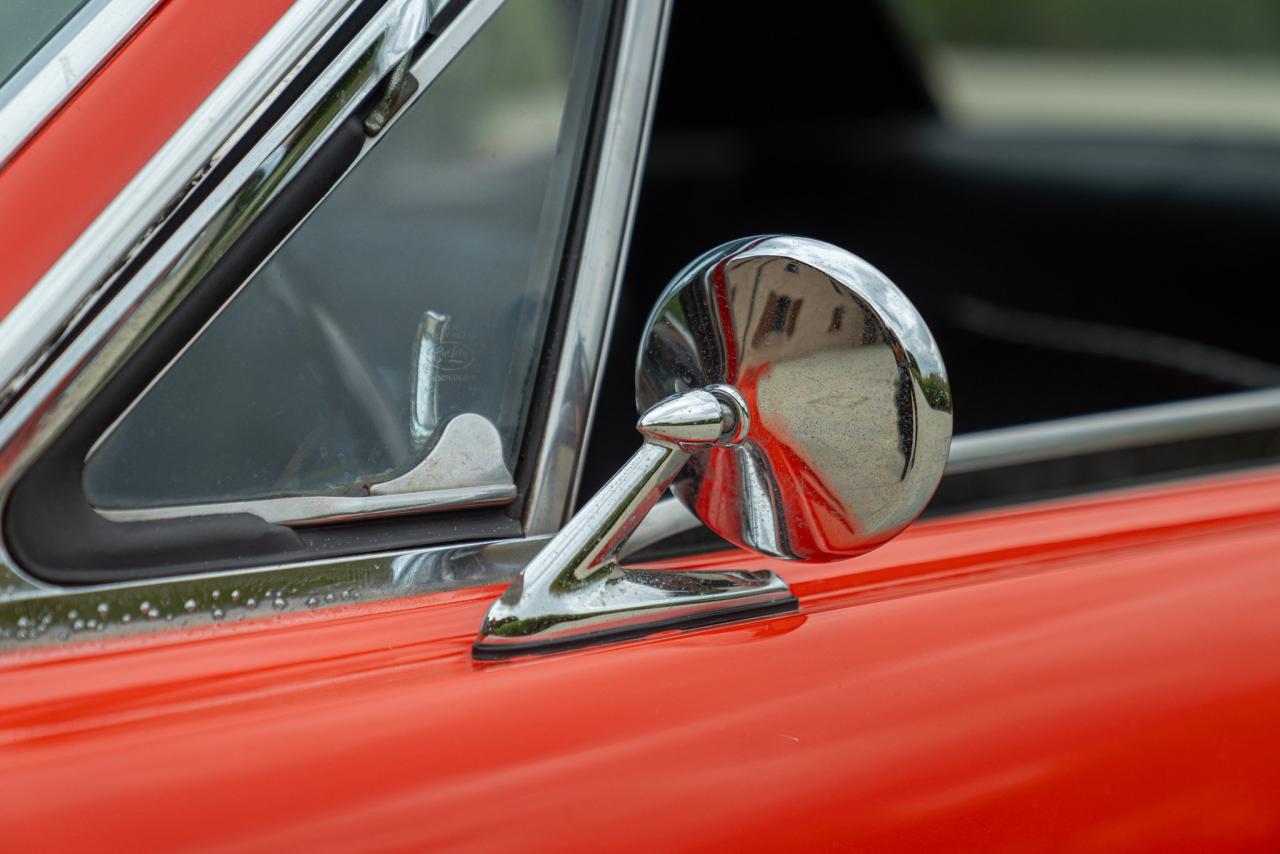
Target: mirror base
[{"x": 646, "y": 603}]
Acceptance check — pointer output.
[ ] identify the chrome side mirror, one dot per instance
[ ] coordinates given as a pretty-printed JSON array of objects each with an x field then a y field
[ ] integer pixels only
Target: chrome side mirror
[{"x": 793, "y": 399}]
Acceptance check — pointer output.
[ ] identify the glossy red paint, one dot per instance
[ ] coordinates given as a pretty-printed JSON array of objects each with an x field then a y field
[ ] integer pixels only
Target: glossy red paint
[
  {"x": 68, "y": 173},
  {"x": 1097, "y": 674}
]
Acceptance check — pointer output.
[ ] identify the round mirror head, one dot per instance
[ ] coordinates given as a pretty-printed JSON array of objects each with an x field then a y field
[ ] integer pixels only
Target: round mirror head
[{"x": 849, "y": 408}]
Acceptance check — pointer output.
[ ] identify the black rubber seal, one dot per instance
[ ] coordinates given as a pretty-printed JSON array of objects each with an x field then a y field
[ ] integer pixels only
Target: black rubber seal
[{"x": 482, "y": 652}]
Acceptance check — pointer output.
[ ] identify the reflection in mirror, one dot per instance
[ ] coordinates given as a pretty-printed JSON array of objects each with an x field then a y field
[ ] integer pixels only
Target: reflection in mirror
[{"x": 848, "y": 396}]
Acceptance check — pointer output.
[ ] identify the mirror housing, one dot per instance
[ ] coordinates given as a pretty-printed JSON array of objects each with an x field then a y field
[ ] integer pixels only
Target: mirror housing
[
  {"x": 849, "y": 404},
  {"x": 793, "y": 399}
]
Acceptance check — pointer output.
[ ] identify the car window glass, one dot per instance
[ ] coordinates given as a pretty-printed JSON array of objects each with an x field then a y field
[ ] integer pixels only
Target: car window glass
[{"x": 418, "y": 291}]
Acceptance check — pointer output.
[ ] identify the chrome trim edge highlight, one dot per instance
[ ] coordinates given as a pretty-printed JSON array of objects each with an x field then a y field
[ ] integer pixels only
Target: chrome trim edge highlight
[
  {"x": 464, "y": 468},
  {"x": 47, "y": 315},
  {"x": 557, "y": 466},
  {"x": 300, "y": 510},
  {"x": 38, "y": 619},
  {"x": 1113, "y": 431}
]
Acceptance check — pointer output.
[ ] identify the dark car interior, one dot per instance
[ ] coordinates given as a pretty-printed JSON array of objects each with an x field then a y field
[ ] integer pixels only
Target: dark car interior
[{"x": 1061, "y": 274}]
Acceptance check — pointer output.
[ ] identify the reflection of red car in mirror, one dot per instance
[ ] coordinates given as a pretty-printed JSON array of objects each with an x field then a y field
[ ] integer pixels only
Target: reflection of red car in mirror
[{"x": 322, "y": 519}]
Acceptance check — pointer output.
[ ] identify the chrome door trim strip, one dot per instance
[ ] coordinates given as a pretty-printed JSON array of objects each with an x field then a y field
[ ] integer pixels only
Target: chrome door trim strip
[
  {"x": 558, "y": 463},
  {"x": 463, "y": 469},
  {"x": 48, "y": 314},
  {"x": 39, "y": 618},
  {"x": 55, "y": 72},
  {"x": 1113, "y": 431}
]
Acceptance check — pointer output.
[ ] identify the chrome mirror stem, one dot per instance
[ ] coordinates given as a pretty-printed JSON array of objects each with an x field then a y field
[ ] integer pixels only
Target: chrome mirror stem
[{"x": 575, "y": 592}]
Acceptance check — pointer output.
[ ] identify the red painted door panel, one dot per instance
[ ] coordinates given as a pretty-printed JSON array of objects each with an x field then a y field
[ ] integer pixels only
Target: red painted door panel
[{"x": 1091, "y": 675}]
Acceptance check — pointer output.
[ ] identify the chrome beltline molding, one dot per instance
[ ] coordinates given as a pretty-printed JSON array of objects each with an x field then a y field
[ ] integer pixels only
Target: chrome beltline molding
[
  {"x": 47, "y": 315},
  {"x": 126, "y": 608},
  {"x": 599, "y": 275},
  {"x": 1113, "y": 431},
  {"x": 57, "y": 70},
  {"x": 32, "y": 617}
]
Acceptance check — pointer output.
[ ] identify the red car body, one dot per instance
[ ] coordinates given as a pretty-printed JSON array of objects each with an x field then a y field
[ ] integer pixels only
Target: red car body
[{"x": 1087, "y": 674}]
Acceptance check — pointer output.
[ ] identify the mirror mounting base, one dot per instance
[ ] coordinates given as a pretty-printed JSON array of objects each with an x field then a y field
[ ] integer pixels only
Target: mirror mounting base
[
  {"x": 574, "y": 593},
  {"x": 741, "y": 596}
]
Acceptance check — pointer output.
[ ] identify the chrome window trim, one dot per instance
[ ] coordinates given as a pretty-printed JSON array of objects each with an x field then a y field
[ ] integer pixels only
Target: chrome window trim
[
  {"x": 57, "y": 70},
  {"x": 558, "y": 462},
  {"x": 124, "y": 322},
  {"x": 1117, "y": 430},
  {"x": 195, "y": 245},
  {"x": 464, "y": 469},
  {"x": 37, "y": 618},
  {"x": 47, "y": 316}
]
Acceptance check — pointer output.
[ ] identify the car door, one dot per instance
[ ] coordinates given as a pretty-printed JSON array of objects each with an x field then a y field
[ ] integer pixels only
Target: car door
[{"x": 246, "y": 557}]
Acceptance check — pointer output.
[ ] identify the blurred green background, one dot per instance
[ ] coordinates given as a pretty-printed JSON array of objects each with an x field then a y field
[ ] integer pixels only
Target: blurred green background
[
  {"x": 1184, "y": 68},
  {"x": 1184, "y": 26}
]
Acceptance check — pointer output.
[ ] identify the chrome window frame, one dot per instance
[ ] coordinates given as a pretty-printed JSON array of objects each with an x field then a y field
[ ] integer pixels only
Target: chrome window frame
[
  {"x": 580, "y": 368},
  {"x": 65, "y": 339},
  {"x": 49, "y": 317}
]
